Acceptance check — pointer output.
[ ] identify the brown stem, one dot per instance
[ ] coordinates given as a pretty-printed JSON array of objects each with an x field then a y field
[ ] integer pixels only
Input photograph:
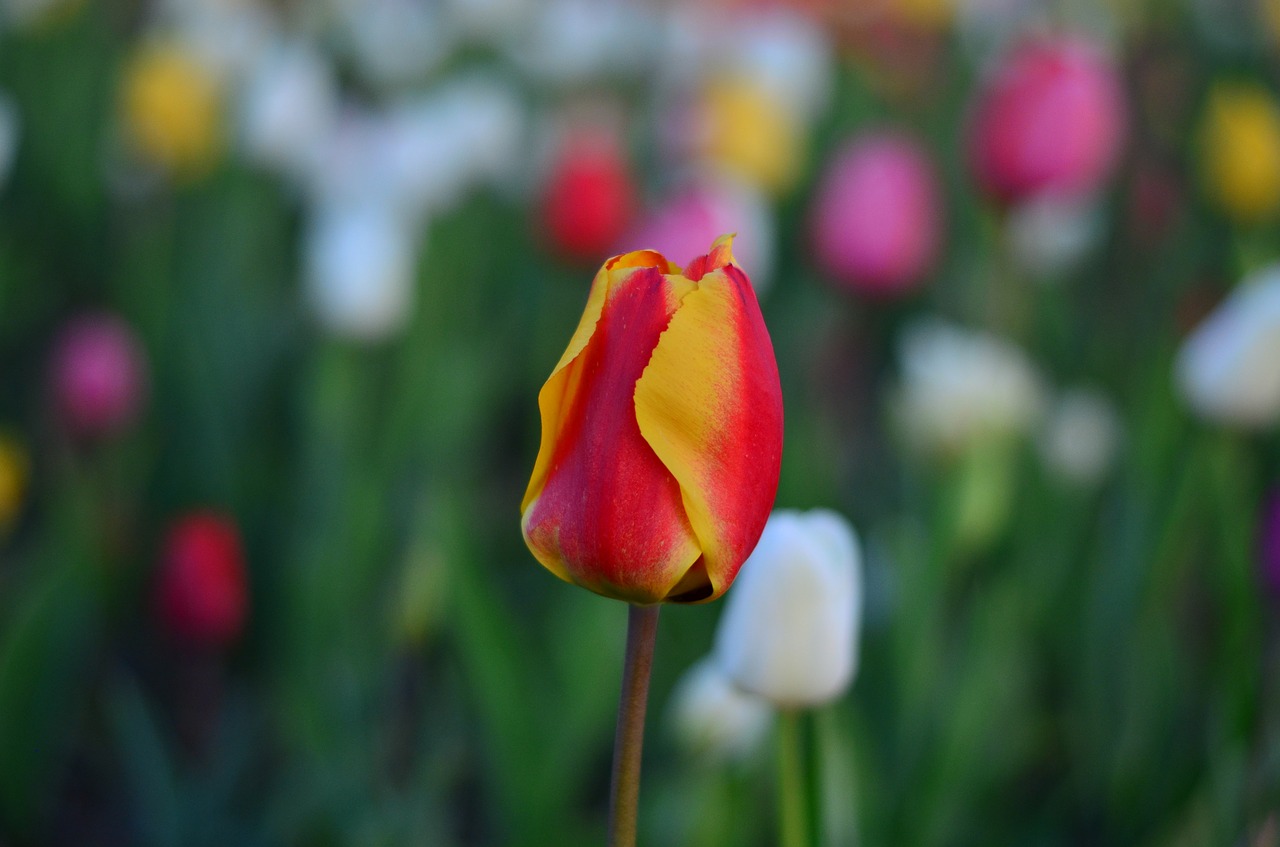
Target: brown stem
[{"x": 628, "y": 742}]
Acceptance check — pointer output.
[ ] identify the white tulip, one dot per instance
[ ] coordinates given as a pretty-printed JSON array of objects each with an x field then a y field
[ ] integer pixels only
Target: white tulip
[
  {"x": 787, "y": 55},
  {"x": 360, "y": 262},
  {"x": 960, "y": 387},
  {"x": 395, "y": 42},
  {"x": 1081, "y": 435},
  {"x": 714, "y": 718},
  {"x": 1049, "y": 235},
  {"x": 1229, "y": 367},
  {"x": 789, "y": 631},
  {"x": 288, "y": 107}
]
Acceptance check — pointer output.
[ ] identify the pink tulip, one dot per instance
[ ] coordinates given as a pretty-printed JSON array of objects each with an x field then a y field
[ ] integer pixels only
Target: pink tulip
[
  {"x": 877, "y": 217},
  {"x": 98, "y": 372},
  {"x": 1050, "y": 119}
]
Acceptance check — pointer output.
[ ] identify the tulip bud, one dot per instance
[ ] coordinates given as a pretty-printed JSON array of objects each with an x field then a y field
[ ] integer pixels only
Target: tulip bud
[
  {"x": 789, "y": 633},
  {"x": 1081, "y": 436},
  {"x": 172, "y": 109},
  {"x": 1269, "y": 543},
  {"x": 98, "y": 372},
  {"x": 1241, "y": 150},
  {"x": 713, "y": 718},
  {"x": 588, "y": 197},
  {"x": 877, "y": 215},
  {"x": 202, "y": 597},
  {"x": 1227, "y": 368},
  {"x": 661, "y": 433},
  {"x": 747, "y": 132},
  {"x": 960, "y": 388},
  {"x": 1049, "y": 120},
  {"x": 289, "y": 104},
  {"x": 360, "y": 262},
  {"x": 683, "y": 224}
]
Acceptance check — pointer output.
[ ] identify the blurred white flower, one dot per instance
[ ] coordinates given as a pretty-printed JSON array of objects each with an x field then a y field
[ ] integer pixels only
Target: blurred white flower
[
  {"x": 226, "y": 37},
  {"x": 712, "y": 717},
  {"x": 489, "y": 20},
  {"x": 790, "y": 629},
  {"x": 959, "y": 387},
  {"x": 1081, "y": 435},
  {"x": 395, "y": 42},
  {"x": 10, "y": 128},
  {"x": 572, "y": 42},
  {"x": 1228, "y": 368},
  {"x": 1049, "y": 235},
  {"x": 288, "y": 107},
  {"x": 360, "y": 261},
  {"x": 786, "y": 54}
]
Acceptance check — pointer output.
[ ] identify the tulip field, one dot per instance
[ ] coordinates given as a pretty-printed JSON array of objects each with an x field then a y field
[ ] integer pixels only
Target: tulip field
[{"x": 497, "y": 422}]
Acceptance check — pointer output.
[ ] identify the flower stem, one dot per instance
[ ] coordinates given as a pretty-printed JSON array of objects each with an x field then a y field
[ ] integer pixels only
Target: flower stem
[
  {"x": 628, "y": 742},
  {"x": 793, "y": 808}
]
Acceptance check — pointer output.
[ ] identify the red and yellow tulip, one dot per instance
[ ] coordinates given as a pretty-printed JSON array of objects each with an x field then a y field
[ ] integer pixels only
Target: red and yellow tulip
[{"x": 661, "y": 433}]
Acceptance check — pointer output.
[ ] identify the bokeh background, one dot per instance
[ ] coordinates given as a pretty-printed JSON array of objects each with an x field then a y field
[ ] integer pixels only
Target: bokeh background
[{"x": 279, "y": 282}]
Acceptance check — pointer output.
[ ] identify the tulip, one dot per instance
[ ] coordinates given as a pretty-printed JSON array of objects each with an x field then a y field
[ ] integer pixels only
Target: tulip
[
  {"x": 661, "y": 433},
  {"x": 785, "y": 53},
  {"x": 1050, "y": 120},
  {"x": 1048, "y": 235},
  {"x": 289, "y": 105},
  {"x": 1081, "y": 436},
  {"x": 692, "y": 216},
  {"x": 172, "y": 109},
  {"x": 1227, "y": 368},
  {"x": 588, "y": 198},
  {"x": 789, "y": 632},
  {"x": 960, "y": 388},
  {"x": 360, "y": 261},
  {"x": 877, "y": 215},
  {"x": 13, "y": 481},
  {"x": 712, "y": 717},
  {"x": 747, "y": 131},
  {"x": 1241, "y": 150},
  {"x": 201, "y": 591},
  {"x": 1269, "y": 543},
  {"x": 98, "y": 374}
]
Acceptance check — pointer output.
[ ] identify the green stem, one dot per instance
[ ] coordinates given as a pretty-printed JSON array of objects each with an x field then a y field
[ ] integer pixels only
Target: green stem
[
  {"x": 793, "y": 808},
  {"x": 628, "y": 742}
]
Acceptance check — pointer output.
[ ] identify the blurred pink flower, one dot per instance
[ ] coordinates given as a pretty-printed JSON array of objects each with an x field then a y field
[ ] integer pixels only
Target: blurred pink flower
[
  {"x": 695, "y": 214},
  {"x": 877, "y": 217},
  {"x": 201, "y": 593},
  {"x": 98, "y": 374},
  {"x": 1050, "y": 119}
]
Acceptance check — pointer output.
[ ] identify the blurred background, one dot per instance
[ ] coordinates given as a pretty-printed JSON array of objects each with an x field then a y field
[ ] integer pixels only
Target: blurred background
[{"x": 280, "y": 281}]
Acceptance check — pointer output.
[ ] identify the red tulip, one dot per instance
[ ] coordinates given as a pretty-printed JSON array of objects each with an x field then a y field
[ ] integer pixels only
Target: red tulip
[
  {"x": 202, "y": 595},
  {"x": 588, "y": 198},
  {"x": 661, "y": 433},
  {"x": 98, "y": 375},
  {"x": 877, "y": 215},
  {"x": 1049, "y": 120}
]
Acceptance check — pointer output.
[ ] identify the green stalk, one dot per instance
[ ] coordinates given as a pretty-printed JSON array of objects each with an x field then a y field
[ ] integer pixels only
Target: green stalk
[
  {"x": 628, "y": 742},
  {"x": 793, "y": 806}
]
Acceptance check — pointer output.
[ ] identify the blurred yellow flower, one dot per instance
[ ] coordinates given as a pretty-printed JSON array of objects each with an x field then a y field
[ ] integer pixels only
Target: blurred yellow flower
[
  {"x": 1241, "y": 150},
  {"x": 172, "y": 109},
  {"x": 925, "y": 14},
  {"x": 751, "y": 135},
  {"x": 13, "y": 480}
]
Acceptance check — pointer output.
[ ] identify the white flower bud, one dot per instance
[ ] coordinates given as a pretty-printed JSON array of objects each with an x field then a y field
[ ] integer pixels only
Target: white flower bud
[
  {"x": 789, "y": 631},
  {"x": 1229, "y": 367},
  {"x": 714, "y": 718},
  {"x": 1080, "y": 437}
]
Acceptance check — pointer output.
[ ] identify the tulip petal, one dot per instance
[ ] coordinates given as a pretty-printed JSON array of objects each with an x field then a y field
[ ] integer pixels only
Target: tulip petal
[
  {"x": 603, "y": 511},
  {"x": 710, "y": 406},
  {"x": 558, "y": 392}
]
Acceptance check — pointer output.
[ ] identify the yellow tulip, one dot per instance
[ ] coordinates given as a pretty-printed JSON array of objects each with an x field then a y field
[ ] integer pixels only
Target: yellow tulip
[
  {"x": 751, "y": 135},
  {"x": 1241, "y": 150},
  {"x": 172, "y": 109}
]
